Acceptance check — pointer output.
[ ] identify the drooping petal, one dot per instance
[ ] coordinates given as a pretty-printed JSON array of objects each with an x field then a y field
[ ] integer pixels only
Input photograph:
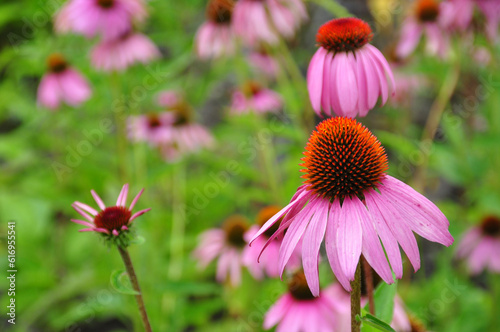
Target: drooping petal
[
  {"x": 327, "y": 85},
  {"x": 315, "y": 78},
  {"x": 345, "y": 86},
  {"x": 411, "y": 32},
  {"x": 349, "y": 238}
]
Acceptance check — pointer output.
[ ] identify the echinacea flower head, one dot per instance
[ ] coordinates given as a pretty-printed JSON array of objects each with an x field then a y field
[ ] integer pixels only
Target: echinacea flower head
[
  {"x": 62, "y": 84},
  {"x": 152, "y": 128},
  {"x": 254, "y": 98},
  {"x": 128, "y": 49},
  {"x": 348, "y": 199},
  {"x": 109, "y": 18},
  {"x": 480, "y": 246},
  {"x": 258, "y": 262},
  {"x": 299, "y": 311},
  {"x": 426, "y": 19},
  {"x": 215, "y": 37},
  {"x": 347, "y": 75},
  {"x": 264, "y": 63},
  {"x": 257, "y": 21},
  {"x": 112, "y": 221},
  {"x": 226, "y": 243}
]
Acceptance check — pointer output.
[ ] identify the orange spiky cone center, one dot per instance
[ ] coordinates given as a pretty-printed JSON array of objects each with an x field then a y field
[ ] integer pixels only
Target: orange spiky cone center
[{"x": 344, "y": 34}]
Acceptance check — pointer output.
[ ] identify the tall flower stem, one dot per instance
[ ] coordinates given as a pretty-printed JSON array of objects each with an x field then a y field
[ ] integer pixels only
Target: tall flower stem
[
  {"x": 135, "y": 285},
  {"x": 431, "y": 126},
  {"x": 356, "y": 300},
  {"x": 367, "y": 269}
]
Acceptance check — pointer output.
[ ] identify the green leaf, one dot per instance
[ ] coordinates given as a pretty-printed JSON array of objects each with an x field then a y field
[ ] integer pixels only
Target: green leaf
[
  {"x": 384, "y": 301},
  {"x": 121, "y": 283},
  {"x": 375, "y": 323}
]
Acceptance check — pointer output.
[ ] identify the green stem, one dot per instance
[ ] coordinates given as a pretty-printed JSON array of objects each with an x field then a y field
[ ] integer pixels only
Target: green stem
[
  {"x": 334, "y": 7},
  {"x": 356, "y": 300},
  {"x": 135, "y": 284},
  {"x": 432, "y": 124}
]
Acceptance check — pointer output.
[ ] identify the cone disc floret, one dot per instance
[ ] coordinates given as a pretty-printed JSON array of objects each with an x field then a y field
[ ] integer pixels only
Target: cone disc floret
[
  {"x": 235, "y": 228},
  {"x": 106, "y": 3},
  {"x": 343, "y": 159},
  {"x": 220, "y": 11},
  {"x": 491, "y": 226},
  {"x": 344, "y": 34},
  {"x": 57, "y": 63},
  {"x": 298, "y": 287},
  {"x": 113, "y": 218},
  {"x": 427, "y": 10}
]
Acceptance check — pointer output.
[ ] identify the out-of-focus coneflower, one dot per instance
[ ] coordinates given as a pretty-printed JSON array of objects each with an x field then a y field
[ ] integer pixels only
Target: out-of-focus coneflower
[
  {"x": 109, "y": 18},
  {"x": 300, "y": 311},
  {"x": 347, "y": 75},
  {"x": 480, "y": 246},
  {"x": 215, "y": 37},
  {"x": 267, "y": 263},
  {"x": 264, "y": 63},
  {"x": 227, "y": 244},
  {"x": 348, "y": 199},
  {"x": 111, "y": 220},
  {"x": 169, "y": 98},
  {"x": 62, "y": 84},
  {"x": 120, "y": 53},
  {"x": 424, "y": 20},
  {"x": 151, "y": 128},
  {"x": 254, "y": 98},
  {"x": 267, "y": 21}
]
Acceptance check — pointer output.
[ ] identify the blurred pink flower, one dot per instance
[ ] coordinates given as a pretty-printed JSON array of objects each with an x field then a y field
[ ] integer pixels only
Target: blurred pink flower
[
  {"x": 109, "y": 220},
  {"x": 408, "y": 85},
  {"x": 62, "y": 84},
  {"x": 400, "y": 320},
  {"x": 267, "y": 20},
  {"x": 348, "y": 199},
  {"x": 480, "y": 246},
  {"x": 267, "y": 263},
  {"x": 215, "y": 38},
  {"x": 346, "y": 75},
  {"x": 110, "y": 18},
  {"x": 169, "y": 98},
  {"x": 299, "y": 311},
  {"x": 123, "y": 52},
  {"x": 491, "y": 11},
  {"x": 264, "y": 63},
  {"x": 426, "y": 19},
  {"x": 254, "y": 98},
  {"x": 152, "y": 128},
  {"x": 225, "y": 243}
]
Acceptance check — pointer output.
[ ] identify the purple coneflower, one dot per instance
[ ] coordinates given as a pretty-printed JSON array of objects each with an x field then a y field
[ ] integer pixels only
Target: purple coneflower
[
  {"x": 349, "y": 199},
  {"x": 226, "y": 243},
  {"x": 110, "y": 18},
  {"x": 267, "y": 263},
  {"x": 152, "y": 128},
  {"x": 480, "y": 246},
  {"x": 169, "y": 98},
  {"x": 215, "y": 38},
  {"x": 111, "y": 220},
  {"x": 300, "y": 311},
  {"x": 346, "y": 75},
  {"x": 254, "y": 98},
  {"x": 62, "y": 84},
  {"x": 267, "y": 20},
  {"x": 426, "y": 19},
  {"x": 120, "y": 53},
  {"x": 264, "y": 63}
]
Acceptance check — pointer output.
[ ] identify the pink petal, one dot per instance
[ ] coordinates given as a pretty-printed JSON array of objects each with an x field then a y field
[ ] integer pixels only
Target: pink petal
[
  {"x": 345, "y": 86},
  {"x": 84, "y": 223},
  {"x": 327, "y": 84},
  {"x": 315, "y": 78},
  {"x": 137, "y": 214},
  {"x": 98, "y": 200},
  {"x": 136, "y": 199},
  {"x": 85, "y": 207},
  {"x": 277, "y": 311},
  {"x": 122, "y": 197},
  {"x": 410, "y": 36},
  {"x": 349, "y": 238}
]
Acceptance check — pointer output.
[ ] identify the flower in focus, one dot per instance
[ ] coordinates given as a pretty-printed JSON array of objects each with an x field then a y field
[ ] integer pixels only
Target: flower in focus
[
  {"x": 111, "y": 220},
  {"x": 110, "y": 18},
  {"x": 480, "y": 246},
  {"x": 426, "y": 19},
  {"x": 346, "y": 75},
  {"x": 266, "y": 263},
  {"x": 225, "y": 243},
  {"x": 264, "y": 62},
  {"x": 253, "y": 98},
  {"x": 215, "y": 37},
  {"x": 349, "y": 199},
  {"x": 62, "y": 84},
  {"x": 152, "y": 128},
  {"x": 121, "y": 53},
  {"x": 267, "y": 20},
  {"x": 299, "y": 311}
]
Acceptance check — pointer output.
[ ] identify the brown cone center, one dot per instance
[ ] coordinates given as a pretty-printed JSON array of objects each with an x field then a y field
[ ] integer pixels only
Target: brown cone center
[
  {"x": 491, "y": 226},
  {"x": 113, "y": 217},
  {"x": 298, "y": 288},
  {"x": 235, "y": 228}
]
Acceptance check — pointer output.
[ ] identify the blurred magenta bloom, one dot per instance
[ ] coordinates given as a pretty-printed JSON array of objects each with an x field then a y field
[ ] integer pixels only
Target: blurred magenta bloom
[
  {"x": 109, "y": 220},
  {"x": 266, "y": 264},
  {"x": 400, "y": 320},
  {"x": 62, "y": 84},
  {"x": 346, "y": 75},
  {"x": 253, "y": 98},
  {"x": 226, "y": 243},
  {"x": 110, "y": 18},
  {"x": 267, "y": 20},
  {"x": 215, "y": 37},
  {"x": 121, "y": 53},
  {"x": 168, "y": 98},
  {"x": 299, "y": 311},
  {"x": 480, "y": 246},
  {"x": 348, "y": 199},
  {"x": 491, "y": 11},
  {"x": 425, "y": 20},
  {"x": 152, "y": 128},
  {"x": 264, "y": 63}
]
